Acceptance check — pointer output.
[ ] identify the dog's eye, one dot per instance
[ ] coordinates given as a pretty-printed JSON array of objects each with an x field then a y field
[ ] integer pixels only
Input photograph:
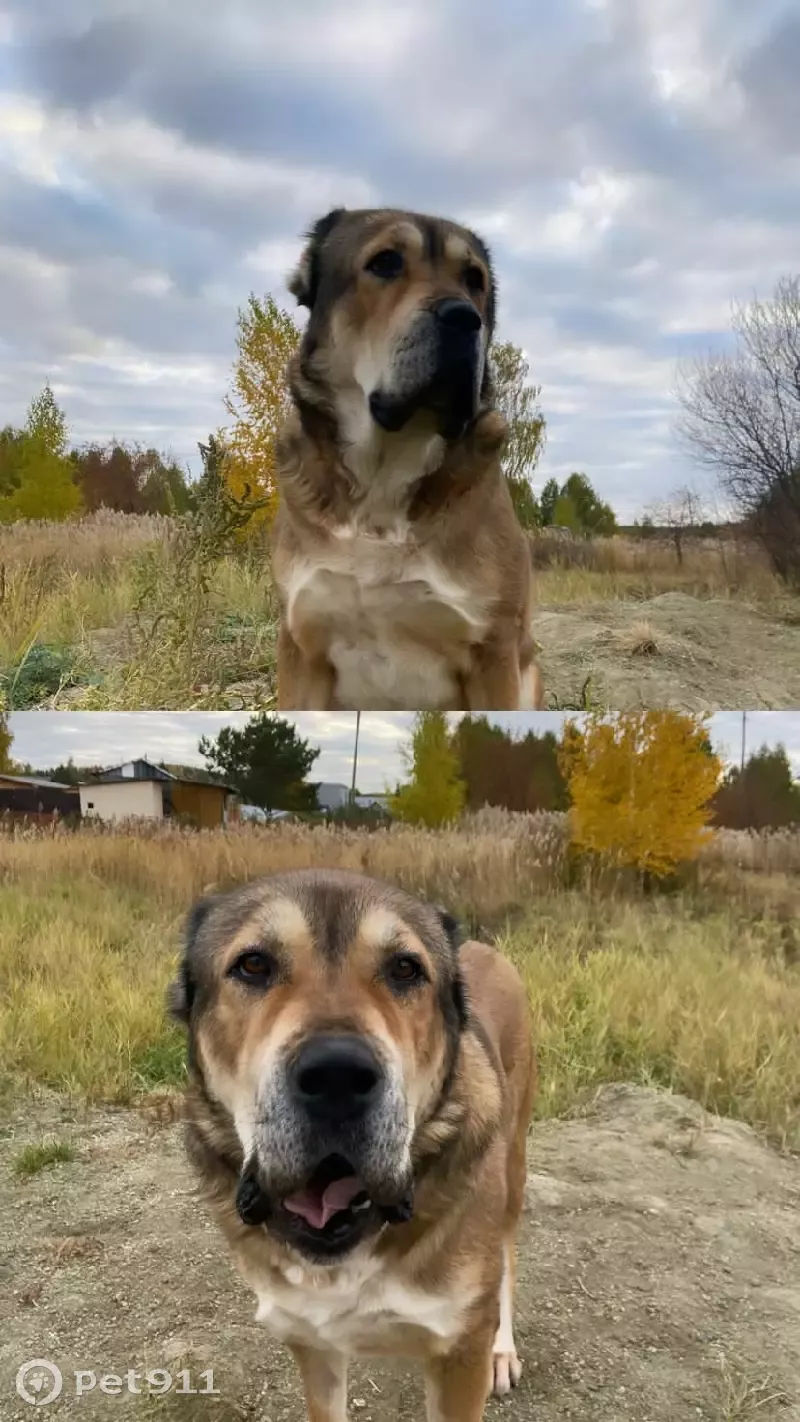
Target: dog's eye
[
  {"x": 386, "y": 265},
  {"x": 253, "y": 967},
  {"x": 403, "y": 970},
  {"x": 474, "y": 279}
]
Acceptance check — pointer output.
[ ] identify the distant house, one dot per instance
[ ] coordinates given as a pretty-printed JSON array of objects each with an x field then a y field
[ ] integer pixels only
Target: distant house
[
  {"x": 373, "y": 802},
  {"x": 39, "y": 801},
  {"x": 255, "y": 815},
  {"x": 140, "y": 790},
  {"x": 331, "y": 796}
]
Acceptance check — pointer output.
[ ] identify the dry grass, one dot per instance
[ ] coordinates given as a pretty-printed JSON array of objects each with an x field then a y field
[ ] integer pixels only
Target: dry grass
[
  {"x": 697, "y": 991},
  {"x": 582, "y": 570},
  {"x": 71, "y": 635},
  {"x": 641, "y": 640},
  {"x": 93, "y": 615},
  {"x": 746, "y": 1393}
]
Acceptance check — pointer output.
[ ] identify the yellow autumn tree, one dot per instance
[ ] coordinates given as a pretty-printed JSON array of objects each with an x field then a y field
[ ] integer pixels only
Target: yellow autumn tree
[
  {"x": 435, "y": 793},
  {"x": 640, "y": 786},
  {"x": 258, "y": 402}
]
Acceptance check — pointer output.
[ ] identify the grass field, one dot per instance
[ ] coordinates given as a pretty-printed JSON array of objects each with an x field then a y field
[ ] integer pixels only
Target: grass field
[
  {"x": 698, "y": 991},
  {"x": 97, "y": 615}
]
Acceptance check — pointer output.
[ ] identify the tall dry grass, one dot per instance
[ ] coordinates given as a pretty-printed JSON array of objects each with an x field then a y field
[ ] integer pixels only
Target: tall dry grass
[
  {"x": 126, "y": 630},
  {"x": 580, "y": 570},
  {"x": 698, "y": 991},
  {"x": 85, "y": 545},
  {"x": 118, "y": 627}
]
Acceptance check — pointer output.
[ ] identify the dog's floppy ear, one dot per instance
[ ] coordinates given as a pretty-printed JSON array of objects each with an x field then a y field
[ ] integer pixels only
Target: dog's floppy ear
[
  {"x": 451, "y": 926},
  {"x": 304, "y": 280},
  {"x": 181, "y": 991},
  {"x": 455, "y": 936}
]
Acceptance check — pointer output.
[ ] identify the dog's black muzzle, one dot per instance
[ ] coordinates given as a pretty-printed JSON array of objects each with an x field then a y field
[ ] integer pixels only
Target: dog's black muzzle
[{"x": 441, "y": 370}]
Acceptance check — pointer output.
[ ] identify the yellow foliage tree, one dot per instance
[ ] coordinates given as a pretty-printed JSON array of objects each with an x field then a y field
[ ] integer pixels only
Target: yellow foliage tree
[
  {"x": 640, "y": 785},
  {"x": 266, "y": 339},
  {"x": 435, "y": 794}
]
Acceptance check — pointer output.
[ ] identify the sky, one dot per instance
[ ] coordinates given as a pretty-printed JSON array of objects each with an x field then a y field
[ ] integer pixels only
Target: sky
[
  {"x": 47, "y": 738},
  {"x": 633, "y": 163}
]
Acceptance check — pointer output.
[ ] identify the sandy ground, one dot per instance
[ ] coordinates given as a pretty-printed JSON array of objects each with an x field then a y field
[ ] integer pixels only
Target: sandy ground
[
  {"x": 708, "y": 655},
  {"x": 659, "y": 1276}
]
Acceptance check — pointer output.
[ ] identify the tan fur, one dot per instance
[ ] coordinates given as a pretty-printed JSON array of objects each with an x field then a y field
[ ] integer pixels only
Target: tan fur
[
  {"x": 435, "y": 1281},
  {"x": 403, "y": 575}
]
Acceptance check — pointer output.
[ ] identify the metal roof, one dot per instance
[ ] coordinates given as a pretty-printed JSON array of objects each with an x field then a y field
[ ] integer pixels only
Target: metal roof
[
  {"x": 114, "y": 776},
  {"x": 36, "y": 780}
]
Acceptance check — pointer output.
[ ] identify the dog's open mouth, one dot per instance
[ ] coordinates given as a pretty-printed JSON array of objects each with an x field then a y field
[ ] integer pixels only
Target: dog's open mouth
[{"x": 334, "y": 1196}]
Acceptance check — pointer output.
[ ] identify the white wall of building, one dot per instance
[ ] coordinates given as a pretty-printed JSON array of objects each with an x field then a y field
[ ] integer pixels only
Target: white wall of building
[{"x": 141, "y": 799}]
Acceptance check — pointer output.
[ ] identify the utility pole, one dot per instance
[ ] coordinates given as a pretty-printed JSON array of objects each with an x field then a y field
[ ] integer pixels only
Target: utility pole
[
  {"x": 744, "y": 737},
  {"x": 355, "y": 761}
]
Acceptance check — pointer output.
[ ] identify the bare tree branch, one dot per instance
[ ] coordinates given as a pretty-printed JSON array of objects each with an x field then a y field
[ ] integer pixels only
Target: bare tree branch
[{"x": 740, "y": 417}]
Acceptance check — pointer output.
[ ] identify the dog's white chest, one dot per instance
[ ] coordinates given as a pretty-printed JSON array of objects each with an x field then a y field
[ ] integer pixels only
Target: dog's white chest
[
  {"x": 396, "y": 626},
  {"x": 362, "y": 1308}
]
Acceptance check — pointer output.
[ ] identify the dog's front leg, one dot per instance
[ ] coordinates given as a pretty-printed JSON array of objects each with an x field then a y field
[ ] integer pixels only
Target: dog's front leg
[
  {"x": 493, "y": 681},
  {"x": 324, "y": 1383},
  {"x": 458, "y": 1385},
  {"x": 304, "y": 684}
]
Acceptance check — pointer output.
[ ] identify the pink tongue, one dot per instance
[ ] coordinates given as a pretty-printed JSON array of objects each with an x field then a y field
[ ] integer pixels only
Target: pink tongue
[{"x": 317, "y": 1209}]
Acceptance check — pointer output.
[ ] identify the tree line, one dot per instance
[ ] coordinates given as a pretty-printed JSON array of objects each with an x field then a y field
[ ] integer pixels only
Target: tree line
[
  {"x": 643, "y": 768},
  {"x": 41, "y": 476},
  {"x": 739, "y": 418}
]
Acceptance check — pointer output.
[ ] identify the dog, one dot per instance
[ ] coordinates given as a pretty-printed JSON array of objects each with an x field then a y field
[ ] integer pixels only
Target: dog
[
  {"x": 360, "y": 1088},
  {"x": 403, "y": 576}
]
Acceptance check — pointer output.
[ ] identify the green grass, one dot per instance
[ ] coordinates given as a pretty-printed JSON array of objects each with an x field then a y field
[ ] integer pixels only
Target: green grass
[{"x": 40, "y": 1157}]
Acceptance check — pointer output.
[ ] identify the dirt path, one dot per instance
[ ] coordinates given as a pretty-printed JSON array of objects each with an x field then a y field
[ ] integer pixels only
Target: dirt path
[
  {"x": 660, "y": 1276},
  {"x": 707, "y": 655}
]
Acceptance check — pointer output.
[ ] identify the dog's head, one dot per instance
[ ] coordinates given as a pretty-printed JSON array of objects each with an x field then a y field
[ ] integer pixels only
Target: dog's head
[
  {"x": 325, "y": 1012},
  {"x": 402, "y": 315}
]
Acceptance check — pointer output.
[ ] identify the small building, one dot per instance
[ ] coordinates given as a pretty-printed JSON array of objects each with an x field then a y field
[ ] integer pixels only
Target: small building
[
  {"x": 140, "y": 790},
  {"x": 331, "y": 796},
  {"x": 379, "y": 803},
  {"x": 36, "y": 800},
  {"x": 255, "y": 815}
]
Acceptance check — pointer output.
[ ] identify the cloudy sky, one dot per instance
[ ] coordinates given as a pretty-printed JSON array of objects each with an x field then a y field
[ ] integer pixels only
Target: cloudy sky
[
  {"x": 635, "y": 164},
  {"x": 48, "y": 738}
]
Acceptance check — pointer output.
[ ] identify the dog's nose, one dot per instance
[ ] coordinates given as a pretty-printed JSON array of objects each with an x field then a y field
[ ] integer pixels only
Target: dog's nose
[
  {"x": 336, "y": 1078},
  {"x": 457, "y": 315}
]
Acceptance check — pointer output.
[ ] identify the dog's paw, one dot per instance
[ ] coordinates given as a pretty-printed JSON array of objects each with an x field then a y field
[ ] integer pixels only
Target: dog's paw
[{"x": 507, "y": 1372}]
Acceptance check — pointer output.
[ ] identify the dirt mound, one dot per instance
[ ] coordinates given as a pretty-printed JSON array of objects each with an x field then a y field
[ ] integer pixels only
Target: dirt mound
[
  {"x": 659, "y": 1278},
  {"x": 672, "y": 650}
]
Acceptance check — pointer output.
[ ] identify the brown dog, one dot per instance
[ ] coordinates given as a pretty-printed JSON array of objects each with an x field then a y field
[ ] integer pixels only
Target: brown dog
[
  {"x": 404, "y": 577},
  {"x": 360, "y": 1091}
]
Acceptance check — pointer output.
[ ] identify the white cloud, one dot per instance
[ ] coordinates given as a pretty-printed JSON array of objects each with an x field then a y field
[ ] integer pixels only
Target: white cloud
[{"x": 611, "y": 150}]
